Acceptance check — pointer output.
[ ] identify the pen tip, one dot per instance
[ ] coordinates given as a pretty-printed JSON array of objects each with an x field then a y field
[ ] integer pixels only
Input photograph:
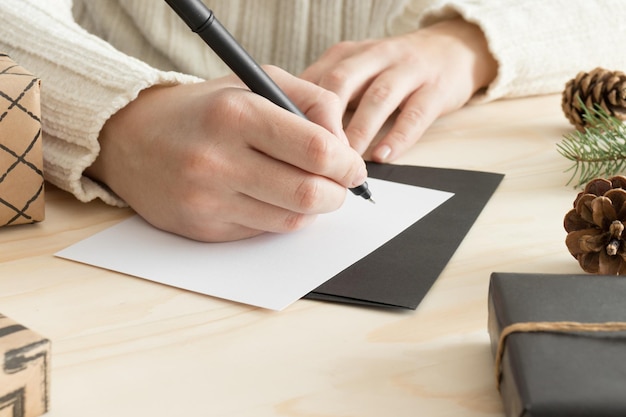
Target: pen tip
[{"x": 371, "y": 200}]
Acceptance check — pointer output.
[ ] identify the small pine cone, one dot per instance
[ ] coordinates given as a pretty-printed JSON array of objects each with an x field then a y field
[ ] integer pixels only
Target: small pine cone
[
  {"x": 595, "y": 227},
  {"x": 597, "y": 87}
]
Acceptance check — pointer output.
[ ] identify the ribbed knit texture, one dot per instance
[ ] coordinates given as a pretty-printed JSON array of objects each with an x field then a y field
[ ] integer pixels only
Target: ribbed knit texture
[
  {"x": 287, "y": 33},
  {"x": 539, "y": 45},
  {"x": 84, "y": 82}
]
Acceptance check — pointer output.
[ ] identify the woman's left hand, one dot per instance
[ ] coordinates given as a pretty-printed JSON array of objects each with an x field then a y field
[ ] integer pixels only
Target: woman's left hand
[{"x": 423, "y": 74}]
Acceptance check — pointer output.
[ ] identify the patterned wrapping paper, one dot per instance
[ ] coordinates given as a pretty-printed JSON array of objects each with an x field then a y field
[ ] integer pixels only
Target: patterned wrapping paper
[
  {"x": 24, "y": 370},
  {"x": 21, "y": 160}
]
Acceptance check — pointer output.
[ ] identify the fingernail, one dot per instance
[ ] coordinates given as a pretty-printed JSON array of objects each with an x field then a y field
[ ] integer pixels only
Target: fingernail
[{"x": 382, "y": 153}]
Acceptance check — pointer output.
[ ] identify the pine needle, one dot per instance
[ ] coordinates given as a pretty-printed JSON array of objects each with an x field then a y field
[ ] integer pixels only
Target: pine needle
[{"x": 598, "y": 150}]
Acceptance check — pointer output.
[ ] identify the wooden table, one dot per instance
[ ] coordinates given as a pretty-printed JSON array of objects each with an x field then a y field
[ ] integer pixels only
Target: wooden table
[{"x": 124, "y": 346}]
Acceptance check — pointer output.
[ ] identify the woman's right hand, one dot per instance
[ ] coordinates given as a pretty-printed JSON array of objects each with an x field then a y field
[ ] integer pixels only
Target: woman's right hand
[{"x": 214, "y": 162}]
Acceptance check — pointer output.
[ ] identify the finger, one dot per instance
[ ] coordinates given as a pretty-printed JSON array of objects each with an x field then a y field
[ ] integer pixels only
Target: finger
[
  {"x": 349, "y": 77},
  {"x": 285, "y": 186},
  {"x": 380, "y": 100},
  {"x": 300, "y": 143},
  {"x": 321, "y": 106},
  {"x": 416, "y": 115},
  {"x": 229, "y": 201},
  {"x": 241, "y": 218},
  {"x": 330, "y": 58},
  {"x": 256, "y": 215},
  {"x": 250, "y": 217}
]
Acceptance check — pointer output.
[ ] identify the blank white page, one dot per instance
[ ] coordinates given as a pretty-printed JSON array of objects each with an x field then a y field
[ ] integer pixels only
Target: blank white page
[{"x": 271, "y": 270}]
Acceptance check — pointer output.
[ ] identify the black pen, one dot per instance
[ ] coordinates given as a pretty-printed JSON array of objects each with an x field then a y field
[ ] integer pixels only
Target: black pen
[{"x": 202, "y": 21}]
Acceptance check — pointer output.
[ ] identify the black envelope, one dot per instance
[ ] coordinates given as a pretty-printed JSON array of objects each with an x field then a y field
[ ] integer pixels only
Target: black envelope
[
  {"x": 554, "y": 374},
  {"x": 400, "y": 273}
]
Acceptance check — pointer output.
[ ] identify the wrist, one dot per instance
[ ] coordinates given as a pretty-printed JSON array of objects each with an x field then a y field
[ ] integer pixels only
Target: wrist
[
  {"x": 113, "y": 138},
  {"x": 471, "y": 38}
]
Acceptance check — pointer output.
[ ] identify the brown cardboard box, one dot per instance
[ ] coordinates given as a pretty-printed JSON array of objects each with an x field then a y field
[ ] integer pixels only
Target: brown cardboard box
[
  {"x": 24, "y": 370},
  {"x": 21, "y": 160}
]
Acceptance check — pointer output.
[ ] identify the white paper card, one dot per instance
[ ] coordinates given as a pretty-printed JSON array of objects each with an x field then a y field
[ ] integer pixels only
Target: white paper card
[{"x": 271, "y": 270}]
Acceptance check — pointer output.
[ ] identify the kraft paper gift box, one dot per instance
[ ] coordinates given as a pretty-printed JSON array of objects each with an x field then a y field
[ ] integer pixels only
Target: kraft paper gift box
[
  {"x": 21, "y": 161},
  {"x": 565, "y": 354},
  {"x": 24, "y": 372}
]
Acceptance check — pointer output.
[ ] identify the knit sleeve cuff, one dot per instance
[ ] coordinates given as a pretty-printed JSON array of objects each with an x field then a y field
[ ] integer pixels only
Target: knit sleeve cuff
[
  {"x": 538, "y": 45},
  {"x": 84, "y": 82},
  {"x": 418, "y": 15}
]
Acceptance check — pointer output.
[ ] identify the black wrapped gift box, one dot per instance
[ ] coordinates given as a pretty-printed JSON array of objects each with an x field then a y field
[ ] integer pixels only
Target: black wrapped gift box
[{"x": 560, "y": 374}]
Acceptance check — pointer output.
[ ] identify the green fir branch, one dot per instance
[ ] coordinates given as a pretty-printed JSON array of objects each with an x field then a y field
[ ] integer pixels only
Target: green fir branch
[{"x": 598, "y": 150}]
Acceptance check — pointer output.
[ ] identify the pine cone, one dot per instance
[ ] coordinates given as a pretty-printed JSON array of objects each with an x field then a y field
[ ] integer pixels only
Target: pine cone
[
  {"x": 595, "y": 227},
  {"x": 598, "y": 87}
]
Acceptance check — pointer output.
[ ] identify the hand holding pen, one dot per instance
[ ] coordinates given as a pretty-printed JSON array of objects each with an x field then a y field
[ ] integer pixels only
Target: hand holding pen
[
  {"x": 214, "y": 162},
  {"x": 202, "y": 21}
]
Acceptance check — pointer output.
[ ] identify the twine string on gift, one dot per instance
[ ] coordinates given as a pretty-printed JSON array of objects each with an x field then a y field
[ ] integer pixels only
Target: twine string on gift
[{"x": 550, "y": 327}]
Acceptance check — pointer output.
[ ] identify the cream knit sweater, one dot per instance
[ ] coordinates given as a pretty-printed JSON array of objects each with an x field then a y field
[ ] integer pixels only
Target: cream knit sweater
[{"x": 538, "y": 44}]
